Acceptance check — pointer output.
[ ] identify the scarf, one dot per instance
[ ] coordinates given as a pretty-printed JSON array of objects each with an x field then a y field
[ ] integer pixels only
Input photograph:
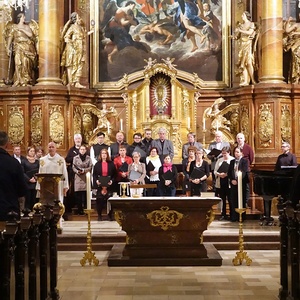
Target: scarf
[
  {"x": 167, "y": 167},
  {"x": 153, "y": 157},
  {"x": 82, "y": 157}
]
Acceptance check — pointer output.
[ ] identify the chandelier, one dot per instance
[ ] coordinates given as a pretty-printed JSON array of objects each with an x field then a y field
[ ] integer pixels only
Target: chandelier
[{"x": 17, "y": 3}]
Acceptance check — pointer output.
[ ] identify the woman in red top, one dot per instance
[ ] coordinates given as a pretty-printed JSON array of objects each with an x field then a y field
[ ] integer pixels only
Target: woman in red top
[
  {"x": 103, "y": 177},
  {"x": 121, "y": 163}
]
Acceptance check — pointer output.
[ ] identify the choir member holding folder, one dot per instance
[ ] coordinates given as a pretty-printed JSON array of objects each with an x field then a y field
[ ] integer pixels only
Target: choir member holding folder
[
  {"x": 199, "y": 169},
  {"x": 238, "y": 164},
  {"x": 122, "y": 162},
  {"x": 153, "y": 164},
  {"x": 137, "y": 173},
  {"x": 167, "y": 178},
  {"x": 103, "y": 178},
  {"x": 222, "y": 184}
]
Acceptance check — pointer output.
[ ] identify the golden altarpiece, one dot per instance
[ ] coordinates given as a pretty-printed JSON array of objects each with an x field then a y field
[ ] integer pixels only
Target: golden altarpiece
[{"x": 267, "y": 112}]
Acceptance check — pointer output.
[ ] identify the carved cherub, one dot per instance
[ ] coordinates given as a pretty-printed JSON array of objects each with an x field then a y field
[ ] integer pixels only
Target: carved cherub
[{"x": 169, "y": 63}]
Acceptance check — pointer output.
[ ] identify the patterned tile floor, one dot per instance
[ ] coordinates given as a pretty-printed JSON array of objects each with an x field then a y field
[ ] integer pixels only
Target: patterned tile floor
[{"x": 260, "y": 281}]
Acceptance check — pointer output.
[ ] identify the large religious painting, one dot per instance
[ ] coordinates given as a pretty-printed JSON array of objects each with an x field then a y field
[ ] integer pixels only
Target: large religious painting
[{"x": 194, "y": 33}]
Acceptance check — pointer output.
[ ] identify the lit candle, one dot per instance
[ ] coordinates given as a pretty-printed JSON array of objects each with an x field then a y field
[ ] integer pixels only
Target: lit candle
[
  {"x": 188, "y": 122},
  {"x": 203, "y": 124},
  {"x": 88, "y": 190},
  {"x": 121, "y": 124},
  {"x": 240, "y": 189}
]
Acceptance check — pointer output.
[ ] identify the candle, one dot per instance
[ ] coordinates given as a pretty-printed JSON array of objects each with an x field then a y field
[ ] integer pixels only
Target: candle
[
  {"x": 88, "y": 190},
  {"x": 203, "y": 124},
  {"x": 188, "y": 122},
  {"x": 121, "y": 124},
  {"x": 240, "y": 189}
]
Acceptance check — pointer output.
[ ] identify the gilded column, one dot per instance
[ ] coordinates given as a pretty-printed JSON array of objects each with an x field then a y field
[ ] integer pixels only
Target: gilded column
[
  {"x": 271, "y": 62},
  {"x": 49, "y": 42}
]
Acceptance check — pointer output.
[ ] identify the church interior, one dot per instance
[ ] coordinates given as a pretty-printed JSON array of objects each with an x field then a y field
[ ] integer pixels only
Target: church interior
[{"x": 157, "y": 70}]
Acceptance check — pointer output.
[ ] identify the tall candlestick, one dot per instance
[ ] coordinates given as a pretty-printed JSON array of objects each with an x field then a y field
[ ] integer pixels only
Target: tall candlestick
[
  {"x": 240, "y": 189},
  {"x": 188, "y": 122},
  {"x": 88, "y": 190},
  {"x": 121, "y": 124}
]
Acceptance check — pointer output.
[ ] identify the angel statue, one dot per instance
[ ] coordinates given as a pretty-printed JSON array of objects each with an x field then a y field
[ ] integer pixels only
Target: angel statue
[
  {"x": 247, "y": 35},
  {"x": 104, "y": 116},
  {"x": 218, "y": 121},
  {"x": 73, "y": 50},
  {"x": 21, "y": 41}
]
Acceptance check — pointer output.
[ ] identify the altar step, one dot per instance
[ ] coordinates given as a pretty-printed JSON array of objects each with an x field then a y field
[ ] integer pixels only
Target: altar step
[{"x": 223, "y": 235}]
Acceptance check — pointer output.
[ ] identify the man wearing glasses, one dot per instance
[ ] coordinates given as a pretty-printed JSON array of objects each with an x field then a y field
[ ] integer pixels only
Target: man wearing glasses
[{"x": 286, "y": 158}]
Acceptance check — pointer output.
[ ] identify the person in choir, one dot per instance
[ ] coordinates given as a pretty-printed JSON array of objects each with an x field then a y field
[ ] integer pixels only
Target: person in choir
[
  {"x": 30, "y": 166},
  {"x": 136, "y": 173},
  {"x": 114, "y": 147},
  {"x": 17, "y": 154},
  {"x": 104, "y": 174},
  {"x": 240, "y": 163},
  {"x": 39, "y": 152},
  {"x": 186, "y": 168},
  {"x": 147, "y": 140},
  {"x": 137, "y": 145},
  {"x": 167, "y": 178},
  {"x": 70, "y": 200},
  {"x": 163, "y": 145},
  {"x": 222, "y": 184},
  {"x": 12, "y": 183},
  {"x": 96, "y": 148},
  {"x": 153, "y": 164},
  {"x": 286, "y": 158},
  {"x": 82, "y": 164},
  {"x": 122, "y": 163},
  {"x": 219, "y": 144},
  {"x": 248, "y": 153},
  {"x": 191, "y": 136},
  {"x": 199, "y": 169}
]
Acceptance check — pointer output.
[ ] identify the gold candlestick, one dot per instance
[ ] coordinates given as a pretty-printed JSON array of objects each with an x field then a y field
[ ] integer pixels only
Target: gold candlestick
[
  {"x": 241, "y": 255},
  {"x": 89, "y": 255},
  {"x": 124, "y": 187}
]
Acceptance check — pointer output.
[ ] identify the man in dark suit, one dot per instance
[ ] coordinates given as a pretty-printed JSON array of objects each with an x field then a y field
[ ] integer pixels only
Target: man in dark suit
[
  {"x": 163, "y": 145},
  {"x": 238, "y": 164},
  {"x": 137, "y": 146},
  {"x": 12, "y": 183},
  {"x": 17, "y": 154},
  {"x": 191, "y": 136},
  {"x": 114, "y": 147}
]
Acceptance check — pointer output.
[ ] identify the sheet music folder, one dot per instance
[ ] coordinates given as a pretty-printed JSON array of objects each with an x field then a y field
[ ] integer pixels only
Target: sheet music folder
[
  {"x": 223, "y": 168},
  {"x": 150, "y": 167},
  {"x": 134, "y": 175},
  {"x": 104, "y": 180},
  {"x": 124, "y": 167},
  {"x": 215, "y": 152},
  {"x": 197, "y": 173},
  {"x": 168, "y": 175}
]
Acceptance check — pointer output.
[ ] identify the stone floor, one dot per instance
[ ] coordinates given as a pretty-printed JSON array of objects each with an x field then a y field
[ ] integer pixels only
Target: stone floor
[{"x": 259, "y": 281}]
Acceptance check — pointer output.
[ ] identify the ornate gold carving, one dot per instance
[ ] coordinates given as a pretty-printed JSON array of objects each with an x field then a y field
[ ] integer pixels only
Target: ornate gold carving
[
  {"x": 77, "y": 119},
  {"x": 286, "y": 121},
  {"x": 87, "y": 126},
  {"x": 165, "y": 218},
  {"x": 16, "y": 125},
  {"x": 245, "y": 121},
  {"x": 57, "y": 125},
  {"x": 219, "y": 121},
  {"x": 265, "y": 125},
  {"x": 119, "y": 217},
  {"x": 36, "y": 125}
]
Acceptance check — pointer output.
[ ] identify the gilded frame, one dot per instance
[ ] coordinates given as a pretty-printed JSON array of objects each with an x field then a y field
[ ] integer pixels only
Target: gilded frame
[{"x": 119, "y": 83}]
